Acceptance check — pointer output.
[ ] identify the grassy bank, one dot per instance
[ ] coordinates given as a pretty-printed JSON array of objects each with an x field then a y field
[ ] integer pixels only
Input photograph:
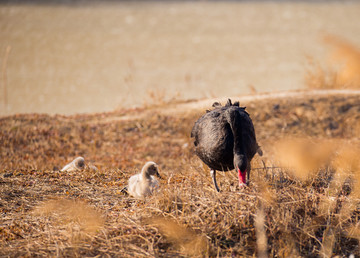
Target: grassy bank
[{"x": 285, "y": 211}]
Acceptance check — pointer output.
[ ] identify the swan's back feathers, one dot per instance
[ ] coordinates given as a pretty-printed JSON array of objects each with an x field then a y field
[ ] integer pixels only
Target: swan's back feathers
[
  {"x": 214, "y": 136},
  {"x": 139, "y": 188},
  {"x": 215, "y": 113}
]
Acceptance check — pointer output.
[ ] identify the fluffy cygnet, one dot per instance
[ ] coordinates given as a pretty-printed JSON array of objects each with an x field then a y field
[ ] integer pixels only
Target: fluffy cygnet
[
  {"x": 144, "y": 183},
  {"x": 75, "y": 165}
]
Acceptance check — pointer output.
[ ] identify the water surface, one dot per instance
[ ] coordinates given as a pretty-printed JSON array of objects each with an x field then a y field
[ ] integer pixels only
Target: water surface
[{"x": 92, "y": 58}]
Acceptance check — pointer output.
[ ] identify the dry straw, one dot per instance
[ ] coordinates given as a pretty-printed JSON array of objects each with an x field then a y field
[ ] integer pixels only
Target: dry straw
[
  {"x": 78, "y": 218},
  {"x": 261, "y": 239},
  {"x": 304, "y": 157},
  {"x": 184, "y": 239},
  {"x": 347, "y": 165},
  {"x": 296, "y": 217}
]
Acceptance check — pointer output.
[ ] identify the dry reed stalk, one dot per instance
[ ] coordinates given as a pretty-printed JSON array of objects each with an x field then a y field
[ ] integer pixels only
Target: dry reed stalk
[
  {"x": 354, "y": 231},
  {"x": 261, "y": 239},
  {"x": 328, "y": 242},
  {"x": 4, "y": 77},
  {"x": 268, "y": 197}
]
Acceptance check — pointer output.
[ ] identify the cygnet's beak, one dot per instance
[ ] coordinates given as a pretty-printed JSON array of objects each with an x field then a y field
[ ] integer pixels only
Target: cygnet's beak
[{"x": 158, "y": 175}]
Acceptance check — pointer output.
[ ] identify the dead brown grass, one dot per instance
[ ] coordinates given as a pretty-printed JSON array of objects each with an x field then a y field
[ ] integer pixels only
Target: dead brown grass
[
  {"x": 347, "y": 163},
  {"x": 185, "y": 240},
  {"x": 50, "y": 213},
  {"x": 304, "y": 157},
  {"x": 77, "y": 216}
]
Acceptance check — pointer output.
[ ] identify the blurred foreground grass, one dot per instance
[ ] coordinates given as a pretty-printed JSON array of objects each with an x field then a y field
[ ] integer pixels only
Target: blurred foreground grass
[{"x": 341, "y": 69}]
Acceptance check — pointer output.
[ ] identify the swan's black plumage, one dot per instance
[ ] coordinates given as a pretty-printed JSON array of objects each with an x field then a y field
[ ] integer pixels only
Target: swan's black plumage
[{"x": 225, "y": 139}]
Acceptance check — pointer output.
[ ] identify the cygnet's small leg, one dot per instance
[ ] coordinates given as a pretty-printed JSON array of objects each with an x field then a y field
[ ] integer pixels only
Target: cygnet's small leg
[
  {"x": 213, "y": 175},
  {"x": 124, "y": 190}
]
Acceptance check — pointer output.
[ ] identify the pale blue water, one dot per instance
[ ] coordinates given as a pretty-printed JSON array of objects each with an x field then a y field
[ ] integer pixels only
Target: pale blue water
[{"x": 92, "y": 58}]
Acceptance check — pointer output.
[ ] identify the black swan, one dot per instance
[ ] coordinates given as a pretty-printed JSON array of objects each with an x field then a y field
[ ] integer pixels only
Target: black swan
[{"x": 225, "y": 139}]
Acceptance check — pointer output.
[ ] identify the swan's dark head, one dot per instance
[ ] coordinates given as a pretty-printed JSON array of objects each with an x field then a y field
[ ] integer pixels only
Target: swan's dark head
[{"x": 241, "y": 164}]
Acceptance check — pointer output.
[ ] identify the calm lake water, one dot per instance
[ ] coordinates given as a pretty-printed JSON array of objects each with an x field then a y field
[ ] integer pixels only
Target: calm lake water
[{"x": 91, "y": 58}]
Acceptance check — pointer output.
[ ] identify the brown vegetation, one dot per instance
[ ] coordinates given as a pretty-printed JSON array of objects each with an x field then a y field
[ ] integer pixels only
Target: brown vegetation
[
  {"x": 46, "y": 212},
  {"x": 340, "y": 71}
]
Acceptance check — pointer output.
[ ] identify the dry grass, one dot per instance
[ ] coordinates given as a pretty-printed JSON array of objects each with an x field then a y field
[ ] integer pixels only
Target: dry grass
[
  {"x": 75, "y": 214},
  {"x": 347, "y": 163},
  {"x": 50, "y": 213},
  {"x": 342, "y": 69},
  {"x": 304, "y": 157},
  {"x": 183, "y": 239}
]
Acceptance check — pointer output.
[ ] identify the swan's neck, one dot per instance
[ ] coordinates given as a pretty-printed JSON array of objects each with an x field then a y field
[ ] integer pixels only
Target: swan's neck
[
  {"x": 144, "y": 174},
  {"x": 234, "y": 120}
]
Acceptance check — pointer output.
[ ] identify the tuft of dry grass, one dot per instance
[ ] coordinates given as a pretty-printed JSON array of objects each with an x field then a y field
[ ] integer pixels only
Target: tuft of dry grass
[
  {"x": 347, "y": 164},
  {"x": 184, "y": 239},
  {"x": 78, "y": 217},
  {"x": 342, "y": 70},
  {"x": 346, "y": 57},
  {"x": 306, "y": 157},
  {"x": 319, "y": 77},
  {"x": 303, "y": 156}
]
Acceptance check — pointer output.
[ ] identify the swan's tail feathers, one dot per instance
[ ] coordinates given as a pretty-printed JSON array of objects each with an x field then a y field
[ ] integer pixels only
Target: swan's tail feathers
[
  {"x": 228, "y": 103},
  {"x": 216, "y": 104}
]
